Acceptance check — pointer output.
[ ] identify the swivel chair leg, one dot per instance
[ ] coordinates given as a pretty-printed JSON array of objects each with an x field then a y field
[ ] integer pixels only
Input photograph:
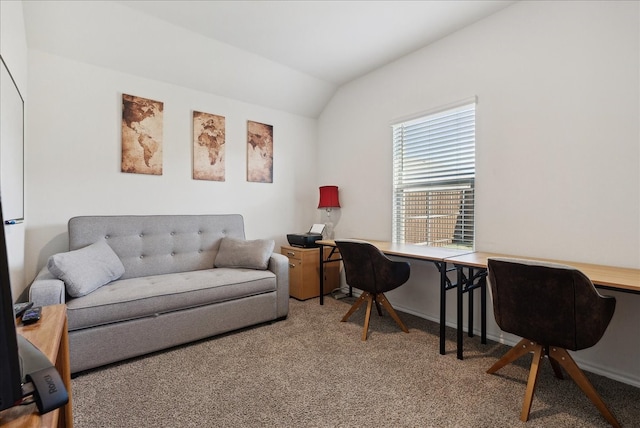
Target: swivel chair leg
[
  {"x": 355, "y": 306},
  {"x": 369, "y": 298},
  {"x": 538, "y": 355},
  {"x": 521, "y": 348},
  {"x": 564, "y": 359},
  {"x": 367, "y": 316},
  {"x": 380, "y": 297}
]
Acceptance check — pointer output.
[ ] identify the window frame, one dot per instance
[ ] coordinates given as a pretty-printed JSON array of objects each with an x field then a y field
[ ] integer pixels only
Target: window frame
[{"x": 434, "y": 177}]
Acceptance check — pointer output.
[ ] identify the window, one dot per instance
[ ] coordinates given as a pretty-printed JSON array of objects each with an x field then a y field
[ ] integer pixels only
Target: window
[{"x": 433, "y": 178}]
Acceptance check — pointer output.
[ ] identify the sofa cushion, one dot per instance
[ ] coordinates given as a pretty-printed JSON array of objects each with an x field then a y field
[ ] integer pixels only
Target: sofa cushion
[
  {"x": 86, "y": 269},
  {"x": 240, "y": 253},
  {"x": 135, "y": 298}
]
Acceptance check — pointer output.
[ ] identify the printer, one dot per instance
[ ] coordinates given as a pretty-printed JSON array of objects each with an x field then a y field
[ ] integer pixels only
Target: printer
[{"x": 306, "y": 240}]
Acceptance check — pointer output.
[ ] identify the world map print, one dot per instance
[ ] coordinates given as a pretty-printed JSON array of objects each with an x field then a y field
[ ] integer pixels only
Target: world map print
[
  {"x": 142, "y": 121},
  {"x": 259, "y": 152},
  {"x": 208, "y": 146}
]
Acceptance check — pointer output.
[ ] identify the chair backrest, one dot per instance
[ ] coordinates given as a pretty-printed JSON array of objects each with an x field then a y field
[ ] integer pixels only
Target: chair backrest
[
  {"x": 551, "y": 304},
  {"x": 368, "y": 269}
]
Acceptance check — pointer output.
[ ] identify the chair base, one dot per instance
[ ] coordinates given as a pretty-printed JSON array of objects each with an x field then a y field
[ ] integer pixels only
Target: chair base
[
  {"x": 370, "y": 298},
  {"x": 558, "y": 357}
]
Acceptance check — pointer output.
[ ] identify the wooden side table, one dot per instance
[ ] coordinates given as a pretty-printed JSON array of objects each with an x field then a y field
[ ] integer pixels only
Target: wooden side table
[
  {"x": 50, "y": 336},
  {"x": 304, "y": 272}
]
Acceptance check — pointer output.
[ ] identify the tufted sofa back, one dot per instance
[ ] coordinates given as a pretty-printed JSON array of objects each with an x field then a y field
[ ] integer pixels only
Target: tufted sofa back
[{"x": 158, "y": 244}]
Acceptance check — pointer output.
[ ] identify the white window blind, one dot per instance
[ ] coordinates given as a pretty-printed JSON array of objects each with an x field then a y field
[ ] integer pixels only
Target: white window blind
[{"x": 433, "y": 179}]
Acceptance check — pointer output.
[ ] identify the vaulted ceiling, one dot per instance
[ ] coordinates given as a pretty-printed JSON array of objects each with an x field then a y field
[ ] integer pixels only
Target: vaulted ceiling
[{"x": 288, "y": 55}]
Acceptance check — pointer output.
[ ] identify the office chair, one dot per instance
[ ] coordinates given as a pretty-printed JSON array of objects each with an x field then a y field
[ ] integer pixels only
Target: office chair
[
  {"x": 554, "y": 308},
  {"x": 369, "y": 270}
]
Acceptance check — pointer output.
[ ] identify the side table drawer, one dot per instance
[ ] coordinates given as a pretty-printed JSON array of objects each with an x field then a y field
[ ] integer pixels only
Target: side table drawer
[
  {"x": 292, "y": 253},
  {"x": 296, "y": 278}
]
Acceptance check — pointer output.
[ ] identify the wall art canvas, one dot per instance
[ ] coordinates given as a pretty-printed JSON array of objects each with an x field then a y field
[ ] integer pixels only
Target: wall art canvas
[
  {"x": 259, "y": 152},
  {"x": 141, "y": 135},
  {"x": 208, "y": 146}
]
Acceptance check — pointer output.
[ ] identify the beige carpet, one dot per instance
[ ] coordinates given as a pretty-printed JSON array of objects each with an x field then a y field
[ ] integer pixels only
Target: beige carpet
[{"x": 313, "y": 371}]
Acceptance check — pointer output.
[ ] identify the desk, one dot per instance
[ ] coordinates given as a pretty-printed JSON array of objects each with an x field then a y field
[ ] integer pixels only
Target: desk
[
  {"x": 611, "y": 278},
  {"x": 438, "y": 256},
  {"x": 50, "y": 336},
  {"x": 475, "y": 262},
  {"x": 608, "y": 277}
]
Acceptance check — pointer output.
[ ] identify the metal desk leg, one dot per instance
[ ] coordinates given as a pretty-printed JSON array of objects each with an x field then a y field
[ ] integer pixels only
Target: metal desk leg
[
  {"x": 321, "y": 273},
  {"x": 459, "y": 291},
  {"x": 470, "y": 310},
  {"x": 443, "y": 303}
]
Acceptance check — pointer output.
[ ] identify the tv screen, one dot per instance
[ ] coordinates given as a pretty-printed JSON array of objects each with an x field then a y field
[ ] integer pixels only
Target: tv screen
[{"x": 10, "y": 371}]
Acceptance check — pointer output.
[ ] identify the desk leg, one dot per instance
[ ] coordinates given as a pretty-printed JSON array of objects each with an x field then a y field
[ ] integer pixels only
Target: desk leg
[
  {"x": 459, "y": 288},
  {"x": 443, "y": 303},
  {"x": 475, "y": 279},
  {"x": 321, "y": 273},
  {"x": 470, "y": 312}
]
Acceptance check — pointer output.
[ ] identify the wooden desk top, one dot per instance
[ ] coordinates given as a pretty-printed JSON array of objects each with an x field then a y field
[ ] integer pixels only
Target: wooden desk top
[
  {"x": 46, "y": 333},
  {"x": 412, "y": 251},
  {"x": 623, "y": 279},
  {"x": 619, "y": 278}
]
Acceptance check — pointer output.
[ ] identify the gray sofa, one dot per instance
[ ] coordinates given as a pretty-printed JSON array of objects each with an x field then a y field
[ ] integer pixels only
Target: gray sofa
[{"x": 160, "y": 281}]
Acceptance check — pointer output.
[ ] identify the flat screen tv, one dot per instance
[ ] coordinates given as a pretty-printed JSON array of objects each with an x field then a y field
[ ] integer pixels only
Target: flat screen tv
[{"x": 10, "y": 370}]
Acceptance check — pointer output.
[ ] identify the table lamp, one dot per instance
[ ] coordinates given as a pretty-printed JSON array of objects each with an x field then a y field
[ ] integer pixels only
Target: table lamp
[{"x": 328, "y": 201}]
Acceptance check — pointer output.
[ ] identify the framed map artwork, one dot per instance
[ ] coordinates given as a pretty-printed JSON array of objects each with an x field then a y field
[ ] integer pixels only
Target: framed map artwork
[
  {"x": 208, "y": 146},
  {"x": 141, "y": 135},
  {"x": 259, "y": 152}
]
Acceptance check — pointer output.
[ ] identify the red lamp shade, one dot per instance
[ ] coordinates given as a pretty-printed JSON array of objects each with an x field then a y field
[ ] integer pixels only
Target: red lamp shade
[{"x": 329, "y": 197}]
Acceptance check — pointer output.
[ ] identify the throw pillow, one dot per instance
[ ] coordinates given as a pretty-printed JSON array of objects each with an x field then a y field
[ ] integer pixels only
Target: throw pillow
[
  {"x": 87, "y": 269},
  {"x": 239, "y": 253}
]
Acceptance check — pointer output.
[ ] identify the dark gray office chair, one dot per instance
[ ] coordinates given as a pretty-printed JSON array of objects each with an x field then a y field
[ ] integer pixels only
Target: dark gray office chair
[
  {"x": 553, "y": 308},
  {"x": 368, "y": 269}
]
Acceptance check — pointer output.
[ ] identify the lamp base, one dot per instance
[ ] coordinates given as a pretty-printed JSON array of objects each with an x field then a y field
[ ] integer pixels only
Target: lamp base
[{"x": 327, "y": 233}]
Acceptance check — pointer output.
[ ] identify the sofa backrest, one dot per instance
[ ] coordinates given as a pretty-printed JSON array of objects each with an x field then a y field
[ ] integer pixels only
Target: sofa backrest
[{"x": 158, "y": 244}]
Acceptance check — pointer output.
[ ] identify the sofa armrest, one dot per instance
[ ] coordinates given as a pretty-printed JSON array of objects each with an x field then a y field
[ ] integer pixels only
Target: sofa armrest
[
  {"x": 279, "y": 265},
  {"x": 46, "y": 289}
]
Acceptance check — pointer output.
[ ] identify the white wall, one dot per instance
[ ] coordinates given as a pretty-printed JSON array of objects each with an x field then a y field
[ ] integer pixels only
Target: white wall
[
  {"x": 13, "y": 47},
  {"x": 74, "y": 149},
  {"x": 112, "y": 35},
  {"x": 558, "y": 148}
]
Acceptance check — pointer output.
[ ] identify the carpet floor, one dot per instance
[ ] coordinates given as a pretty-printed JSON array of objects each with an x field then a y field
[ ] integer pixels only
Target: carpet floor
[{"x": 311, "y": 370}]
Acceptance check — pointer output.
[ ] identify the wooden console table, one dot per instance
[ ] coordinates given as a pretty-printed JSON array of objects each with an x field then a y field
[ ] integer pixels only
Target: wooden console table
[{"x": 50, "y": 336}]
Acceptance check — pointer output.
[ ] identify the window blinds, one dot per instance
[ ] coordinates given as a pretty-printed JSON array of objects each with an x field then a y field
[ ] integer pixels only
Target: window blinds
[{"x": 433, "y": 178}]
